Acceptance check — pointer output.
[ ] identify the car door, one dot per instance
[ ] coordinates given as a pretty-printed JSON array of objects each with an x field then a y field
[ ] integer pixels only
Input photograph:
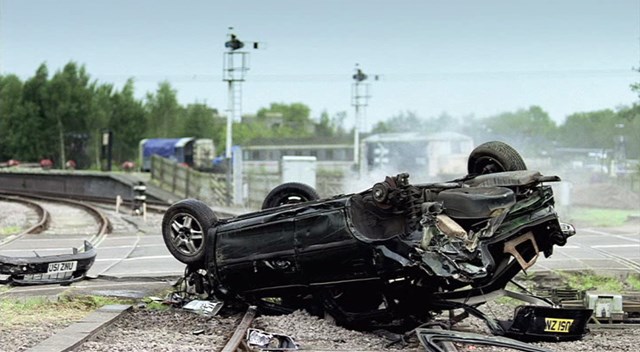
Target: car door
[
  {"x": 326, "y": 250},
  {"x": 257, "y": 255}
]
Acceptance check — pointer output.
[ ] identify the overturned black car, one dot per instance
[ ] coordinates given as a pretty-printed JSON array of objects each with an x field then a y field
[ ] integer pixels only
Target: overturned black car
[{"x": 396, "y": 251}]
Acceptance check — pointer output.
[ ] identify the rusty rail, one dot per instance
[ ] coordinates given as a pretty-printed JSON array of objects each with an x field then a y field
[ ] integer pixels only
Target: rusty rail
[
  {"x": 41, "y": 225},
  {"x": 104, "y": 225},
  {"x": 241, "y": 331}
]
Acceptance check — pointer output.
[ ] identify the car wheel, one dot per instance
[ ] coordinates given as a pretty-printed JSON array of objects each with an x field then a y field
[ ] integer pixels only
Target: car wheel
[
  {"x": 184, "y": 228},
  {"x": 289, "y": 193},
  {"x": 493, "y": 157}
]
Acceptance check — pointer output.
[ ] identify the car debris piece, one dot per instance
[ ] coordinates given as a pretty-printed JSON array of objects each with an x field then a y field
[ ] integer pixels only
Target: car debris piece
[
  {"x": 270, "y": 342},
  {"x": 536, "y": 323},
  {"x": 207, "y": 308},
  {"x": 395, "y": 253},
  {"x": 432, "y": 338},
  {"x": 51, "y": 269}
]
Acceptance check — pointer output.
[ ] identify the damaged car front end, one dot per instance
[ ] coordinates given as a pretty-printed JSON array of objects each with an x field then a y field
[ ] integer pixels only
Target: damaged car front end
[
  {"x": 395, "y": 253},
  {"x": 50, "y": 269}
]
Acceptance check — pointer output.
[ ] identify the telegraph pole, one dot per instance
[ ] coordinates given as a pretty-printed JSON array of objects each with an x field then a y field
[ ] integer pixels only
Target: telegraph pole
[{"x": 359, "y": 99}]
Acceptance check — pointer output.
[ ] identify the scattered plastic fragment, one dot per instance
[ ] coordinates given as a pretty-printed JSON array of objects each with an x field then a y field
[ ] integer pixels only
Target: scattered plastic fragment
[
  {"x": 208, "y": 308},
  {"x": 270, "y": 342}
]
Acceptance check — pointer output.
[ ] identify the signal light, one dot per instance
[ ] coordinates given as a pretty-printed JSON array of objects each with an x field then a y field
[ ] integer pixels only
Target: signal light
[{"x": 234, "y": 43}]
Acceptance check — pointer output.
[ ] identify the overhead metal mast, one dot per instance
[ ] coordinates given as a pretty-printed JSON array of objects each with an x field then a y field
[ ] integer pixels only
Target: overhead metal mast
[
  {"x": 359, "y": 99},
  {"x": 235, "y": 67}
]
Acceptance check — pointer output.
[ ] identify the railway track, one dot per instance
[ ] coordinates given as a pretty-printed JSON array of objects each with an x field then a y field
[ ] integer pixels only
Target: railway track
[
  {"x": 44, "y": 222},
  {"x": 237, "y": 339},
  {"x": 632, "y": 265},
  {"x": 43, "y": 218}
]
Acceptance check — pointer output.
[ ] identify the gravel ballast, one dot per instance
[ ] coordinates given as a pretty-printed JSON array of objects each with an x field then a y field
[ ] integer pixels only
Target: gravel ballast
[{"x": 178, "y": 330}]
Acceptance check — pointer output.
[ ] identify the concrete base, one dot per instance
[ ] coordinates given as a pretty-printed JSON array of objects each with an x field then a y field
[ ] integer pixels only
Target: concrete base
[{"x": 76, "y": 334}]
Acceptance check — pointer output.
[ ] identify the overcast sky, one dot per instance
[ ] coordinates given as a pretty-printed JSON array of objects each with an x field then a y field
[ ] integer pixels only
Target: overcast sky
[{"x": 460, "y": 57}]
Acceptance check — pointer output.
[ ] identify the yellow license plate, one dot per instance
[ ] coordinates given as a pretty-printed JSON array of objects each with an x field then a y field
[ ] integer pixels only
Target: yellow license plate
[{"x": 557, "y": 325}]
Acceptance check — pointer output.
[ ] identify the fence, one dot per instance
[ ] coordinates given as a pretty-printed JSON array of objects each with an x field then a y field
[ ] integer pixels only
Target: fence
[
  {"x": 188, "y": 183},
  {"x": 214, "y": 188}
]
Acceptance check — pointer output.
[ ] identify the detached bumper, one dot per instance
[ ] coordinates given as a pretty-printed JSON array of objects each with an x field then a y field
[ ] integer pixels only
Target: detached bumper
[
  {"x": 52, "y": 269},
  {"x": 537, "y": 323}
]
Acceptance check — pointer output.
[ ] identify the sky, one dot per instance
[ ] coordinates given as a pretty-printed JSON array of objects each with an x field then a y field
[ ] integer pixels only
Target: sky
[{"x": 463, "y": 58}]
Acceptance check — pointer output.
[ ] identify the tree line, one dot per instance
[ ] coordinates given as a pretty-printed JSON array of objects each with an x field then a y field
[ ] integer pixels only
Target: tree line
[
  {"x": 533, "y": 131},
  {"x": 62, "y": 117}
]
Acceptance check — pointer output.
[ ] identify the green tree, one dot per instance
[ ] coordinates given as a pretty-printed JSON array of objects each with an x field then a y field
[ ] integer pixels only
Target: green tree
[
  {"x": 528, "y": 130},
  {"x": 629, "y": 121},
  {"x": 295, "y": 118},
  {"x": 69, "y": 104},
  {"x": 10, "y": 109},
  {"x": 199, "y": 121},
  {"x": 330, "y": 127},
  {"x": 163, "y": 111},
  {"x": 98, "y": 120},
  {"x": 31, "y": 132},
  {"x": 128, "y": 123},
  {"x": 403, "y": 122},
  {"x": 593, "y": 129}
]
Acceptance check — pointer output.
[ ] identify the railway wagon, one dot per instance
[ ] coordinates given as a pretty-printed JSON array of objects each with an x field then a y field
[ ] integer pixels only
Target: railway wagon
[{"x": 198, "y": 153}]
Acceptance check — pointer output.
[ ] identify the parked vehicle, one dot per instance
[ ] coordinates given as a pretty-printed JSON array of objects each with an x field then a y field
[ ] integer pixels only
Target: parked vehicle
[
  {"x": 394, "y": 251},
  {"x": 197, "y": 153}
]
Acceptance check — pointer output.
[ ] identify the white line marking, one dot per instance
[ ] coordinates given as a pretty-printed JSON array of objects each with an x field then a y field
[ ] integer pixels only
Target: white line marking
[
  {"x": 612, "y": 235},
  {"x": 616, "y": 246},
  {"x": 136, "y": 258}
]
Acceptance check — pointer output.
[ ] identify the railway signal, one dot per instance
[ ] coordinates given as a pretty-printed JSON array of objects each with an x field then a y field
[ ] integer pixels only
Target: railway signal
[
  {"x": 359, "y": 99},
  {"x": 235, "y": 67}
]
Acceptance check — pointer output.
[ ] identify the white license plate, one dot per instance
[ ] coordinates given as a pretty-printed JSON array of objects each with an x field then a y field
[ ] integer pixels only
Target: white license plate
[{"x": 62, "y": 267}]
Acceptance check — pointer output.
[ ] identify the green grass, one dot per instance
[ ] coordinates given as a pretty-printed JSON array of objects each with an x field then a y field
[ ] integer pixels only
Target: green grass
[
  {"x": 601, "y": 217},
  {"x": 9, "y": 230},
  {"x": 155, "y": 305},
  {"x": 581, "y": 281},
  {"x": 634, "y": 282},
  {"x": 586, "y": 281},
  {"x": 25, "y": 311}
]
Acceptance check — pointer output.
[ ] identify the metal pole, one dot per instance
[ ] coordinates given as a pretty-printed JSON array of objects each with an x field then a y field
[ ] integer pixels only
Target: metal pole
[
  {"x": 229, "y": 121},
  {"x": 356, "y": 135}
]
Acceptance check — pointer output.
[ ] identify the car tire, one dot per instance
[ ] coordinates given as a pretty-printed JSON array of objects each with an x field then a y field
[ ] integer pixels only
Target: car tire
[
  {"x": 184, "y": 230},
  {"x": 493, "y": 157},
  {"x": 289, "y": 193}
]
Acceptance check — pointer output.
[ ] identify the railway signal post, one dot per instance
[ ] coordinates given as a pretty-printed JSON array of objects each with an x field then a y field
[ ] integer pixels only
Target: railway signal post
[
  {"x": 359, "y": 99},
  {"x": 235, "y": 67}
]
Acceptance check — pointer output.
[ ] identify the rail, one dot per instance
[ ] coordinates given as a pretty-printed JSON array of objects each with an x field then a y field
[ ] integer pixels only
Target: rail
[
  {"x": 41, "y": 225},
  {"x": 104, "y": 225},
  {"x": 241, "y": 330}
]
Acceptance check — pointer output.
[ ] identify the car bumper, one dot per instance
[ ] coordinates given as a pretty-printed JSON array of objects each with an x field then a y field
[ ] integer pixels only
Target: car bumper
[{"x": 53, "y": 269}]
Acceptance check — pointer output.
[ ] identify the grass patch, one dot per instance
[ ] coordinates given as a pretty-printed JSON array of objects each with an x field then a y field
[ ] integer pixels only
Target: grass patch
[
  {"x": 634, "y": 282},
  {"x": 155, "y": 305},
  {"x": 25, "y": 311},
  {"x": 9, "y": 230},
  {"x": 585, "y": 281},
  {"x": 601, "y": 217}
]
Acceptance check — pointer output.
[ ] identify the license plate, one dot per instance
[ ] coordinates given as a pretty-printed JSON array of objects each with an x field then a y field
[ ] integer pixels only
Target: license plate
[
  {"x": 62, "y": 267},
  {"x": 557, "y": 325}
]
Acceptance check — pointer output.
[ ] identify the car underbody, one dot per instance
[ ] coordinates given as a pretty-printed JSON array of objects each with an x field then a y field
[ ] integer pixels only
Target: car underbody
[{"x": 392, "y": 256}]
